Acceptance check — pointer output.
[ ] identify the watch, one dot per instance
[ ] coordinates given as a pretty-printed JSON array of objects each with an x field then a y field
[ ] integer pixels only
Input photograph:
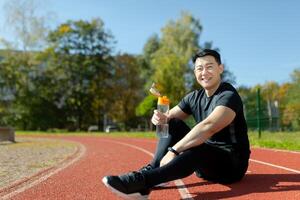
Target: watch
[{"x": 173, "y": 151}]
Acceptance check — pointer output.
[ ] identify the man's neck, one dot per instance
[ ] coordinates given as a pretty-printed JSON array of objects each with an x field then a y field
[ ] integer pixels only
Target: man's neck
[{"x": 209, "y": 92}]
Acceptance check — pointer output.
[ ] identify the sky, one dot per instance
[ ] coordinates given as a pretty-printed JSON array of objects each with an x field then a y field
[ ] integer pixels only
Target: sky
[{"x": 259, "y": 40}]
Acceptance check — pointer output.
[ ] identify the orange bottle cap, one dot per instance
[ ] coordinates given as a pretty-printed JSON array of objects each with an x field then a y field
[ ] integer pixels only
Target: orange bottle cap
[{"x": 163, "y": 100}]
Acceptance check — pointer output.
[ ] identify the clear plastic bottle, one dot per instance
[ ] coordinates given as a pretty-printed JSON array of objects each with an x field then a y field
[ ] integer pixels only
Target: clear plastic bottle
[{"x": 162, "y": 130}]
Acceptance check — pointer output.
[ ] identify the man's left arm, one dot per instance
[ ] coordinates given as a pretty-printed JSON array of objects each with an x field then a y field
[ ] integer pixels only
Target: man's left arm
[{"x": 221, "y": 117}]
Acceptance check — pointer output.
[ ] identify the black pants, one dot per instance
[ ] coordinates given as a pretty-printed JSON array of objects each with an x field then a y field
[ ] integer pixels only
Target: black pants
[{"x": 213, "y": 163}]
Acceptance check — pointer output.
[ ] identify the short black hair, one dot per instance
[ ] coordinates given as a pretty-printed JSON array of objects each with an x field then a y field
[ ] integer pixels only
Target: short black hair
[{"x": 207, "y": 52}]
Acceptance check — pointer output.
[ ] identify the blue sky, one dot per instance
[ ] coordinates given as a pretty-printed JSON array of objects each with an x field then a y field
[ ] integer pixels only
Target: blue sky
[{"x": 259, "y": 40}]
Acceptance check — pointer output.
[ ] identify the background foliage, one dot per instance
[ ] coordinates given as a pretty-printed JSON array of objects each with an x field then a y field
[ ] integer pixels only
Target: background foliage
[{"x": 71, "y": 78}]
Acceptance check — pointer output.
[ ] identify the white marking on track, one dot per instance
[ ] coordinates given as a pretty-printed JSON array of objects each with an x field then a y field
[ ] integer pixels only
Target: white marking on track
[
  {"x": 188, "y": 195},
  {"x": 266, "y": 163},
  {"x": 183, "y": 191},
  {"x": 276, "y": 166},
  {"x": 277, "y": 150}
]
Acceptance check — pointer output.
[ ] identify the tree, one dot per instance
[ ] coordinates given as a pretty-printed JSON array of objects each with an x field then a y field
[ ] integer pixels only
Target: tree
[
  {"x": 169, "y": 74},
  {"x": 145, "y": 110},
  {"x": 248, "y": 96},
  {"x": 167, "y": 60},
  {"x": 179, "y": 41},
  {"x": 19, "y": 66},
  {"x": 291, "y": 112},
  {"x": 28, "y": 27},
  {"x": 145, "y": 60},
  {"x": 270, "y": 94},
  {"x": 17, "y": 72},
  {"x": 79, "y": 53},
  {"x": 127, "y": 90},
  {"x": 151, "y": 46}
]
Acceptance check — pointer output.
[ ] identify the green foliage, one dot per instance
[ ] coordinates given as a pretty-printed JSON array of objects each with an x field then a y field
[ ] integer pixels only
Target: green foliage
[
  {"x": 146, "y": 107},
  {"x": 151, "y": 46},
  {"x": 169, "y": 73},
  {"x": 167, "y": 60},
  {"x": 280, "y": 104},
  {"x": 58, "y": 86},
  {"x": 181, "y": 37},
  {"x": 170, "y": 61},
  {"x": 76, "y": 81},
  {"x": 145, "y": 60},
  {"x": 126, "y": 90},
  {"x": 79, "y": 58},
  {"x": 291, "y": 112},
  {"x": 249, "y": 96}
]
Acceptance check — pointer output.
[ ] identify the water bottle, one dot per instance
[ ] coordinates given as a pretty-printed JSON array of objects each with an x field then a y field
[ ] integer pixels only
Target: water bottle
[{"x": 162, "y": 130}]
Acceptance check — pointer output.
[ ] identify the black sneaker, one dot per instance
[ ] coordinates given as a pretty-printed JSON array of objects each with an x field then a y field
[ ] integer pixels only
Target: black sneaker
[
  {"x": 198, "y": 174},
  {"x": 128, "y": 186},
  {"x": 201, "y": 175},
  {"x": 146, "y": 168},
  {"x": 150, "y": 167}
]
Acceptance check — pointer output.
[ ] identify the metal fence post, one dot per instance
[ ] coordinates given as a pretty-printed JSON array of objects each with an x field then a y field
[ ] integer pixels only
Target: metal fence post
[{"x": 258, "y": 108}]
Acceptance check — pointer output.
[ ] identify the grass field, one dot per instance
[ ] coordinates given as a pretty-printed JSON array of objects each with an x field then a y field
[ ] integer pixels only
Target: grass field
[{"x": 278, "y": 140}]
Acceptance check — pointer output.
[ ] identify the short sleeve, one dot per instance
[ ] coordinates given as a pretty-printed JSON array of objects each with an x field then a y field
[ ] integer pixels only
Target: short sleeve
[
  {"x": 231, "y": 100},
  {"x": 185, "y": 104}
]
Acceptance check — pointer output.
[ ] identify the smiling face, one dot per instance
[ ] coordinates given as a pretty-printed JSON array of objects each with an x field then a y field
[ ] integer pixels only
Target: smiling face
[{"x": 208, "y": 73}]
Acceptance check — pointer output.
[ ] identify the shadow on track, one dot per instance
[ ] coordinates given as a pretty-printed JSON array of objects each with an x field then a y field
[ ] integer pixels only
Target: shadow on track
[{"x": 251, "y": 183}]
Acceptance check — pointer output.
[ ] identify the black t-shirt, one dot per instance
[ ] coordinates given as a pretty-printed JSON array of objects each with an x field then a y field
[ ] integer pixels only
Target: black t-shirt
[{"x": 200, "y": 106}]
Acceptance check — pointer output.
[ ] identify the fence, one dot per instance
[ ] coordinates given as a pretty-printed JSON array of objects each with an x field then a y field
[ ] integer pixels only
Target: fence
[{"x": 264, "y": 114}]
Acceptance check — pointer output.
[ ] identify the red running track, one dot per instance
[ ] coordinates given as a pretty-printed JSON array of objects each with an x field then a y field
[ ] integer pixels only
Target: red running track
[{"x": 272, "y": 175}]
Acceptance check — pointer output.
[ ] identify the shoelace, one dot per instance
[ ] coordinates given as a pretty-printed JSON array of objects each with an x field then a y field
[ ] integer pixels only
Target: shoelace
[
  {"x": 136, "y": 176},
  {"x": 146, "y": 168}
]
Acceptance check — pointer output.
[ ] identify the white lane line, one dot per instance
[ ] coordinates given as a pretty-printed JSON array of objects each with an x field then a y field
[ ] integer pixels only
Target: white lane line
[
  {"x": 276, "y": 166},
  {"x": 64, "y": 165},
  {"x": 184, "y": 193},
  {"x": 277, "y": 150},
  {"x": 266, "y": 163},
  {"x": 252, "y": 160},
  {"x": 269, "y": 164}
]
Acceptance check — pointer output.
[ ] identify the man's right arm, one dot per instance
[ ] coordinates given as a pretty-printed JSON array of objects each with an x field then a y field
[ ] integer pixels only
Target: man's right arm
[{"x": 175, "y": 112}]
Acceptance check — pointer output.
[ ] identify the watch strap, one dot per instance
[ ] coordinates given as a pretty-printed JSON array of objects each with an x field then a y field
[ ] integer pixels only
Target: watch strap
[{"x": 173, "y": 151}]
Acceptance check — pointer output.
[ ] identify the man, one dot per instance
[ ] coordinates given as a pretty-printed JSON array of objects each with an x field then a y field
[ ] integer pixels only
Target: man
[{"x": 216, "y": 148}]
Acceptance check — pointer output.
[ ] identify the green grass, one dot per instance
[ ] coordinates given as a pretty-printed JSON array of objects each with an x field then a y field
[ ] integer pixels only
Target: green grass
[
  {"x": 82, "y": 133},
  {"x": 278, "y": 140}
]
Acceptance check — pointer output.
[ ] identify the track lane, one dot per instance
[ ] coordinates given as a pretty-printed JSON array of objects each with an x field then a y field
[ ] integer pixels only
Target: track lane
[
  {"x": 83, "y": 179},
  {"x": 282, "y": 158},
  {"x": 273, "y": 174}
]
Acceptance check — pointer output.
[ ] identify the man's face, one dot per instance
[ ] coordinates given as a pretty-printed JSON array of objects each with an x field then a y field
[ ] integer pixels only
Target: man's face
[{"x": 208, "y": 72}]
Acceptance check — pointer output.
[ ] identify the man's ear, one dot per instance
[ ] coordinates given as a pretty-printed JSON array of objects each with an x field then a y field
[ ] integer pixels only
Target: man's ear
[{"x": 221, "y": 67}]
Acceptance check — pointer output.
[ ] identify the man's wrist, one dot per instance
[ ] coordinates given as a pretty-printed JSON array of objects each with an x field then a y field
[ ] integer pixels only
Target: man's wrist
[
  {"x": 171, "y": 149},
  {"x": 168, "y": 117}
]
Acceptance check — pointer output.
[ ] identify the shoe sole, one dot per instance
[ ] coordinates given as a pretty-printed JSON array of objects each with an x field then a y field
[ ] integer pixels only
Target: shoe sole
[
  {"x": 133, "y": 196},
  {"x": 162, "y": 184}
]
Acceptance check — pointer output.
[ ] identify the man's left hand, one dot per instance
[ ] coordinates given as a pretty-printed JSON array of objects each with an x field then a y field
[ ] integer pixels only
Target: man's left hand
[{"x": 167, "y": 158}]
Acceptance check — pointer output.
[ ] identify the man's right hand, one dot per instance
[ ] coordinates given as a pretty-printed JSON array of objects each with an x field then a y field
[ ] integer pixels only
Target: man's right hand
[{"x": 159, "y": 118}]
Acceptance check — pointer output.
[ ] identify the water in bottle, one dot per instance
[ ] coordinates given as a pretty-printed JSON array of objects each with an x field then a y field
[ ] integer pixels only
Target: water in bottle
[{"x": 162, "y": 130}]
